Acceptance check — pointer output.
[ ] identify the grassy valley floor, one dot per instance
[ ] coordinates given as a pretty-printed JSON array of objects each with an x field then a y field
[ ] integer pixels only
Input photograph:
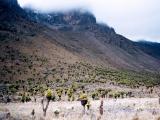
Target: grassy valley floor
[{"x": 120, "y": 109}]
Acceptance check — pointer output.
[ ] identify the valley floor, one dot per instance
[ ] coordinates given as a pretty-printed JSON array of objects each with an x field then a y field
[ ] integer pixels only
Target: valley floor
[{"x": 120, "y": 109}]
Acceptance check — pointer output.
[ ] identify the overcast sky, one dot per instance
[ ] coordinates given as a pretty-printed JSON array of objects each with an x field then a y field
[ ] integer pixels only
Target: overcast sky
[{"x": 135, "y": 19}]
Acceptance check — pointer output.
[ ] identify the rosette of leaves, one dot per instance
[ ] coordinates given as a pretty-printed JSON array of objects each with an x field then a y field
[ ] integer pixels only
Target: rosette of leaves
[{"x": 49, "y": 94}]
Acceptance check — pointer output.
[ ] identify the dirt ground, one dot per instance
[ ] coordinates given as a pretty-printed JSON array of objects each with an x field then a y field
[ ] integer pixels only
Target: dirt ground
[{"x": 120, "y": 109}]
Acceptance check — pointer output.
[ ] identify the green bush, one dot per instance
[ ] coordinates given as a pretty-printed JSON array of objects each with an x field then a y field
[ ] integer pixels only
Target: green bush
[
  {"x": 69, "y": 93},
  {"x": 49, "y": 94},
  {"x": 59, "y": 92},
  {"x": 25, "y": 97},
  {"x": 13, "y": 88}
]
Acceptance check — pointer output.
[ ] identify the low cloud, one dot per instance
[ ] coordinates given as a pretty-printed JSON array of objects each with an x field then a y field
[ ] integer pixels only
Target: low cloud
[{"x": 135, "y": 19}]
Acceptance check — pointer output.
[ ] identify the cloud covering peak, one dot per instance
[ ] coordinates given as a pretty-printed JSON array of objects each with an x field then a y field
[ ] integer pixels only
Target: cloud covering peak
[{"x": 135, "y": 19}]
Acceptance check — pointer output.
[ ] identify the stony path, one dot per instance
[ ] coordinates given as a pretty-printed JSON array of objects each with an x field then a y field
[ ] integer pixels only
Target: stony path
[{"x": 121, "y": 109}]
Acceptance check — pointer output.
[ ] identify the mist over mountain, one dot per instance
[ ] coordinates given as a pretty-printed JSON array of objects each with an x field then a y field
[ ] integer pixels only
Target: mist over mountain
[{"x": 134, "y": 19}]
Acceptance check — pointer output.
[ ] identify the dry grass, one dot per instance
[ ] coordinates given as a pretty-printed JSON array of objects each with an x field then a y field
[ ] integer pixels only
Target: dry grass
[{"x": 122, "y": 109}]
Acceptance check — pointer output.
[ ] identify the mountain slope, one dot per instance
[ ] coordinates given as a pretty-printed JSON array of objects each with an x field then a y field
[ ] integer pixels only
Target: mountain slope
[
  {"x": 151, "y": 48},
  {"x": 79, "y": 32}
]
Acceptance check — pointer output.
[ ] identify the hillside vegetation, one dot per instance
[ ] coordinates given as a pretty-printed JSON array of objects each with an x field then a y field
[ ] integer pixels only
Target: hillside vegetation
[{"x": 69, "y": 51}]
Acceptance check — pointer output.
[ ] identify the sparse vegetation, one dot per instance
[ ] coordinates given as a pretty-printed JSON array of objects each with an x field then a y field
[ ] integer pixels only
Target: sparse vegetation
[
  {"x": 25, "y": 97},
  {"x": 59, "y": 93},
  {"x": 77, "y": 76}
]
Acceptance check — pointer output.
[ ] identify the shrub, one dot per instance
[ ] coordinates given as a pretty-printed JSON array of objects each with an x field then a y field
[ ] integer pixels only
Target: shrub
[
  {"x": 49, "y": 94},
  {"x": 13, "y": 88},
  {"x": 70, "y": 93},
  {"x": 83, "y": 96},
  {"x": 25, "y": 97},
  {"x": 122, "y": 93},
  {"x": 53, "y": 97},
  {"x": 111, "y": 95},
  {"x": 117, "y": 95},
  {"x": 59, "y": 92},
  {"x": 74, "y": 86},
  {"x": 94, "y": 95}
]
